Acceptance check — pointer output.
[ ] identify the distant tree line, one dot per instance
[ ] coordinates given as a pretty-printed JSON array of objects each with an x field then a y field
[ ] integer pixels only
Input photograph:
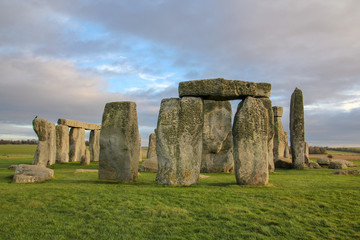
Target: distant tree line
[
  {"x": 317, "y": 150},
  {"x": 29, "y": 141},
  {"x": 344, "y": 149}
]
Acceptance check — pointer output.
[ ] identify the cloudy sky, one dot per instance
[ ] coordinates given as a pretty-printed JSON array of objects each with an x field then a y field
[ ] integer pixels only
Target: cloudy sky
[{"x": 68, "y": 58}]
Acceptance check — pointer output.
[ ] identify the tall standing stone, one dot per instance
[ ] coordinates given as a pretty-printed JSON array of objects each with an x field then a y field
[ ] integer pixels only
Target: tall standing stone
[
  {"x": 179, "y": 141},
  {"x": 46, "y": 151},
  {"x": 77, "y": 144},
  {"x": 280, "y": 137},
  {"x": 251, "y": 138},
  {"x": 119, "y": 142},
  {"x": 286, "y": 150},
  {"x": 217, "y": 154},
  {"x": 151, "y": 152},
  {"x": 307, "y": 159},
  {"x": 62, "y": 144},
  {"x": 268, "y": 105},
  {"x": 297, "y": 131},
  {"x": 94, "y": 145}
]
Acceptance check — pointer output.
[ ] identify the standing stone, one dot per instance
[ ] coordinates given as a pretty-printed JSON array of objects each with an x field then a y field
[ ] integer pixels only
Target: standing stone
[
  {"x": 62, "y": 144},
  {"x": 179, "y": 141},
  {"x": 268, "y": 105},
  {"x": 280, "y": 136},
  {"x": 217, "y": 154},
  {"x": 251, "y": 138},
  {"x": 307, "y": 159},
  {"x": 119, "y": 142},
  {"x": 286, "y": 150},
  {"x": 94, "y": 145},
  {"x": 85, "y": 160},
  {"x": 46, "y": 149},
  {"x": 151, "y": 152},
  {"x": 297, "y": 132},
  {"x": 77, "y": 144}
]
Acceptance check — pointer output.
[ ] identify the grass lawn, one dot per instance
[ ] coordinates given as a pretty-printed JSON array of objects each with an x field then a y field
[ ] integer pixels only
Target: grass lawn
[{"x": 307, "y": 204}]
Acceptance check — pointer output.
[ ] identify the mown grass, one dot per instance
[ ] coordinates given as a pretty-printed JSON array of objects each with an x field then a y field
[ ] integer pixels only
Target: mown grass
[{"x": 308, "y": 204}]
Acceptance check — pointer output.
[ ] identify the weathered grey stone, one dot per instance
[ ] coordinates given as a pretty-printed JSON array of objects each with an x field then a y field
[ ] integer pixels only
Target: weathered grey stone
[
  {"x": 78, "y": 124},
  {"x": 347, "y": 163},
  {"x": 350, "y": 164},
  {"x": 32, "y": 173},
  {"x": 12, "y": 167},
  {"x": 119, "y": 142},
  {"x": 77, "y": 144},
  {"x": 287, "y": 149},
  {"x": 85, "y": 160},
  {"x": 46, "y": 150},
  {"x": 280, "y": 136},
  {"x": 314, "y": 165},
  {"x": 284, "y": 163},
  {"x": 223, "y": 89},
  {"x": 347, "y": 172},
  {"x": 217, "y": 155},
  {"x": 268, "y": 105},
  {"x": 337, "y": 164},
  {"x": 149, "y": 165},
  {"x": 297, "y": 131},
  {"x": 323, "y": 161},
  {"x": 151, "y": 152},
  {"x": 250, "y": 136},
  {"x": 94, "y": 145},
  {"x": 306, "y": 156},
  {"x": 179, "y": 141},
  {"x": 62, "y": 144}
]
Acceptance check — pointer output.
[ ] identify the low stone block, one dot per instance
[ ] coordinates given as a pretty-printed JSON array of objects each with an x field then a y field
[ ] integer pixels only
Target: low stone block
[{"x": 32, "y": 173}]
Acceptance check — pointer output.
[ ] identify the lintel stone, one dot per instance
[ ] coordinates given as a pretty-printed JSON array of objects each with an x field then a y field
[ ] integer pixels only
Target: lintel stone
[{"x": 78, "y": 124}]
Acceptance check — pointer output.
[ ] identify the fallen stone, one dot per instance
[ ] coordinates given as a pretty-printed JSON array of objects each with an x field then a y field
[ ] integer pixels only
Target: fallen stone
[
  {"x": 78, "y": 124},
  {"x": 203, "y": 176},
  {"x": 347, "y": 172},
  {"x": 62, "y": 144},
  {"x": 297, "y": 130},
  {"x": 313, "y": 165},
  {"x": 94, "y": 145},
  {"x": 32, "y": 173},
  {"x": 337, "y": 164},
  {"x": 223, "y": 89},
  {"x": 250, "y": 136},
  {"x": 284, "y": 163},
  {"x": 86, "y": 170},
  {"x": 217, "y": 154},
  {"x": 12, "y": 167},
  {"x": 323, "y": 161},
  {"x": 119, "y": 143},
  {"x": 149, "y": 165}
]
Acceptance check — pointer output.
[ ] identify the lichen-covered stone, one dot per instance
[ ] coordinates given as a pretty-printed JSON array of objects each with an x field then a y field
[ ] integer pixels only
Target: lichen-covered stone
[
  {"x": 62, "y": 144},
  {"x": 217, "y": 155},
  {"x": 119, "y": 142},
  {"x": 94, "y": 145},
  {"x": 268, "y": 105},
  {"x": 297, "y": 129},
  {"x": 31, "y": 173},
  {"x": 46, "y": 150},
  {"x": 78, "y": 124},
  {"x": 280, "y": 136},
  {"x": 250, "y": 136},
  {"x": 323, "y": 161},
  {"x": 149, "y": 165},
  {"x": 179, "y": 141},
  {"x": 306, "y": 153},
  {"x": 223, "y": 89},
  {"x": 278, "y": 111},
  {"x": 337, "y": 164},
  {"x": 85, "y": 160},
  {"x": 151, "y": 152},
  {"x": 77, "y": 144}
]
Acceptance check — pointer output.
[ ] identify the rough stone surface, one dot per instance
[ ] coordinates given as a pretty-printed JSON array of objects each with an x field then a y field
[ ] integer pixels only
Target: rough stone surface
[
  {"x": 314, "y": 165},
  {"x": 46, "y": 150},
  {"x": 223, "y": 89},
  {"x": 347, "y": 172},
  {"x": 284, "y": 163},
  {"x": 268, "y": 105},
  {"x": 179, "y": 141},
  {"x": 337, "y": 164},
  {"x": 119, "y": 142},
  {"x": 149, "y": 165},
  {"x": 62, "y": 144},
  {"x": 306, "y": 156},
  {"x": 77, "y": 144},
  {"x": 151, "y": 152},
  {"x": 323, "y": 161},
  {"x": 297, "y": 131},
  {"x": 32, "y": 173},
  {"x": 250, "y": 136},
  {"x": 78, "y": 124},
  {"x": 217, "y": 155},
  {"x": 85, "y": 160},
  {"x": 94, "y": 145},
  {"x": 280, "y": 136},
  {"x": 287, "y": 149}
]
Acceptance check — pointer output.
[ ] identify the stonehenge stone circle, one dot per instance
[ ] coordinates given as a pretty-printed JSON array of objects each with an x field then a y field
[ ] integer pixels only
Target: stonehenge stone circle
[
  {"x": 62, "y": 144},
  {"x": 31, "y": 173},
  {"x": 179, "y": 141},
  {"x": 77, "y": 144},
  {"x": 46, "y": 150},
  {"x": 223, "y": 89},
  {"x": 280, "y": 136},
  {"x": 297, "y": 131},
  {"x": 94, "y": 145},
  {"x": 251, "y": 138},
  {"x": 119, "y": 142},
  {"x": 217, "y": 154}
]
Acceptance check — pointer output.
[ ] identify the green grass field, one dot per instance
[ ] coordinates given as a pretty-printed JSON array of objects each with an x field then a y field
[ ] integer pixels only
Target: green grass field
[{"x": 308, "y": 204}]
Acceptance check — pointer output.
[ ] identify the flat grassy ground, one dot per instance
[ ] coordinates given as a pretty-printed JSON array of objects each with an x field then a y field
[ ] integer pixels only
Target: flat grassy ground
[{"x": 307, "y": 204}]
